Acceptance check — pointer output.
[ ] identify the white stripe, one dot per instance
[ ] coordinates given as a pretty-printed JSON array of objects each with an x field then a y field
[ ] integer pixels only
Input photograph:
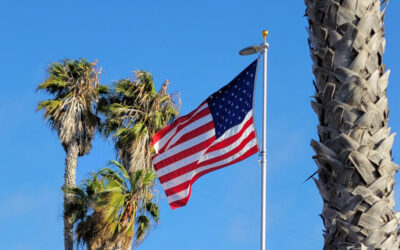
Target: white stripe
[
  {"x": 178, "y": 196},
  {"x": 228, "y": 148},
  {"x": 189, "y": 128},
  {"x": 187, "y": 144},
  {"x": 160, "y": 143},
  {"x": 185, "y": 177},
  {"x": 179, "y": 164}
]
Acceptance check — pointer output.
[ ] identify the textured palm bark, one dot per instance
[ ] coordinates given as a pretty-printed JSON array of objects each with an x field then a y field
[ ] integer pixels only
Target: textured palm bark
[
  {"x": 353, "y": 155},
  {"x": 69, "y": 181}
]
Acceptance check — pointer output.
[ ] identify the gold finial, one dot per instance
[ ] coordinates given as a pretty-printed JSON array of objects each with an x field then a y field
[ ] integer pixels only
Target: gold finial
[{"x": 265, "y": 34}]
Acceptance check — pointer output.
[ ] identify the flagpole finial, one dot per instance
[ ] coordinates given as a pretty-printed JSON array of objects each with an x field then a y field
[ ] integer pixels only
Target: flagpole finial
[
  {"x": 256, "y": 48},
  {"x": 265, "y": 34}
]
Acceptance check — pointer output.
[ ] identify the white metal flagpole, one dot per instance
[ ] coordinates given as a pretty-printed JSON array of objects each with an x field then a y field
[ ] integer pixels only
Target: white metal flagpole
[
  {"x": 263, "y": 153},
  {"x": 263, "y": 49}
]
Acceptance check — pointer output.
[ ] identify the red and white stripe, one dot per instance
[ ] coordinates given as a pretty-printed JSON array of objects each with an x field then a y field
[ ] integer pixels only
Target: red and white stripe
[{"x": 188, "y": 149}]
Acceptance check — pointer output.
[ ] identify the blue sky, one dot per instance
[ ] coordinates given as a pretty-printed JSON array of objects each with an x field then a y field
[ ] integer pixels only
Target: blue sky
[{"x": 195, "y": 45}]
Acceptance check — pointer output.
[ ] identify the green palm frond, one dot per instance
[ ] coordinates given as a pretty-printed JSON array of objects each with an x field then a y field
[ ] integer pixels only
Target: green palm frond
[
  {"x": 134, "y": 111},
  {"x": 113, "y": 205},
  {"x": 51, "y": 108},
  {"x": 111, "y": 175},
  {"x": 102, "y": 89},
  {"x": 143, "y": 225},
  {"x": 154, "y": 211},
  {"x": 74, "y": 89},
  {"x": 120, "y": 168}
]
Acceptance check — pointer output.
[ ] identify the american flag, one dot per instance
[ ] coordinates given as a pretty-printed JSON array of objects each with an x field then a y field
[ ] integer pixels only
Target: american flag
[{"x": 218, "y": 133}]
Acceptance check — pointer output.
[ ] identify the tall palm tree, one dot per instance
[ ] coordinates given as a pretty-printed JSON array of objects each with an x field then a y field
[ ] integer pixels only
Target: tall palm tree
[
  {"x": 114, "y": 207},
  {"x": 134, "y": 112},
  {"x": 74, "y": 87},
  {"x": 354, "y": 151}
]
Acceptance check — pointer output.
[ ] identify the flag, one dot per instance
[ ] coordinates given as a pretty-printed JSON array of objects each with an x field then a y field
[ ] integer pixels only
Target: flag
[{"x": 218, "y": 133}]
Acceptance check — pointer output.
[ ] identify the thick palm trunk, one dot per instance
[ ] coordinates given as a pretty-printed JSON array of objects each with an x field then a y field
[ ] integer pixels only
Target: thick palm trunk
[
  {"x": 69, "y": 181},
  {"x": 354, "y": 159}
]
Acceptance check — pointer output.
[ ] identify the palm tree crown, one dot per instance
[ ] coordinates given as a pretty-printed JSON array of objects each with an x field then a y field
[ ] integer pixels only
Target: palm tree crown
[
  {"x": 113, "y": 206},
  {"x": 134, "y": 112},
  {"x": 75, "y": 87}
]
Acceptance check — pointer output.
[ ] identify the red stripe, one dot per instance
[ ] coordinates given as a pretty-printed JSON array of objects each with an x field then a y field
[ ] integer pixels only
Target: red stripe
[
  {"x": 242, "y": 144},
  {"x": 177, "y": 188},
  {"x": 178, "y": 172},
  {"x": 200, "y": 130},
  {"x": 166, "y": 129},
  {"x": 198, "y": 116},
  {"x": 228, "y": 141},
  {"x": 184, "y": 153},
  {"x": 183, "y": 202},
  {"x": 192, "y": 166},
  {"x": 196, "y": 132}
]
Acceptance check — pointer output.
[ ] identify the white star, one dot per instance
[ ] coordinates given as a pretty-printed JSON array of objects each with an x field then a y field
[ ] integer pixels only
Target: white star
[{"x": 247, "y": 83}]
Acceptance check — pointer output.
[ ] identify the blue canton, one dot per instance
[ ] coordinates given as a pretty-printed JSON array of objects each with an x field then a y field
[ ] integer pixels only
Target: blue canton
[{"x": 231, "y": 103}]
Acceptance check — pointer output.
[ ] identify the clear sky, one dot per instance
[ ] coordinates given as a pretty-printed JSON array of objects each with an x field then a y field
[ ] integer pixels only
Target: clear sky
[{"x": 195, "y": 45}]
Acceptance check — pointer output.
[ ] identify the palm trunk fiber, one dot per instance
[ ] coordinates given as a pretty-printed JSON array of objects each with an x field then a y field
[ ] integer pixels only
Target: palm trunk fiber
[
  {"x": 69, "y": 181},
  {"x": 354, "y": 152}
]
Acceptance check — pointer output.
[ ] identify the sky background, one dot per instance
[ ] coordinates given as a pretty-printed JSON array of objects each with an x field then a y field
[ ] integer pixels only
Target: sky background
[{"x": 195, "y": 45}]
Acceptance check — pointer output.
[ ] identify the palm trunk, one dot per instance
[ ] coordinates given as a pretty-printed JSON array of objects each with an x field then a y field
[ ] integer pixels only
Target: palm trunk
[
  {"x": 69, "y": 181},
  {"x": 354, "y": 158}
]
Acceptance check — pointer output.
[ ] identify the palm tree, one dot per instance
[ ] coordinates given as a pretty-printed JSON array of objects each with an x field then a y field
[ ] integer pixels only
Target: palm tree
[
  {"x": 113, "y": 207},
  {"x": 134, "y": 112},
  {"x": 74, "y": 87},
  {"x": 353, "y": 154}
]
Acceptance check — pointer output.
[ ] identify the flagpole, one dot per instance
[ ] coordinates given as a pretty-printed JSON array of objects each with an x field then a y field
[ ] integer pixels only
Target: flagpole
[
  {"x": 263, "y": 152},
  {"x": 263, "y": 49}
]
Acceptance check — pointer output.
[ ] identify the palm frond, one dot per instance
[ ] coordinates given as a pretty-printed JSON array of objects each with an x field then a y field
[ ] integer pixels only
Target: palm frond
[
  {"x": 121, "y": 168},
  {"x": 154, "y": 211},
  {"x": 143, "y": 225},
  {"x": 134, "y": 111},
  {"x": 108, "y": 212},
  {"x": 74, "y": 89}
]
